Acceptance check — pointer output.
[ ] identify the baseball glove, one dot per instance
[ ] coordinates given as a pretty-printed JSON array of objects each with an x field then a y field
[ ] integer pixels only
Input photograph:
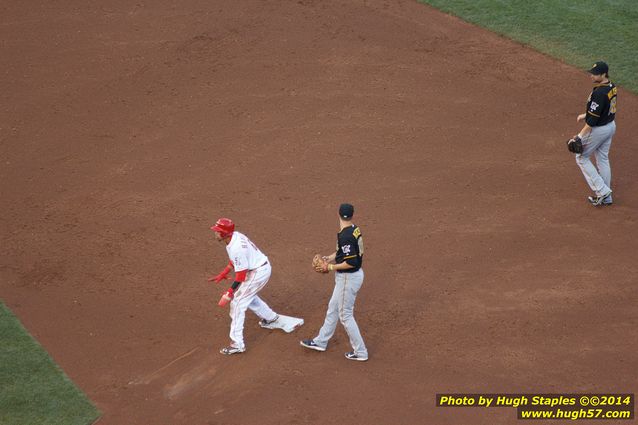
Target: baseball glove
[
  {"x": 575, "y": 144},
  {"x": 319, "y": 264}
]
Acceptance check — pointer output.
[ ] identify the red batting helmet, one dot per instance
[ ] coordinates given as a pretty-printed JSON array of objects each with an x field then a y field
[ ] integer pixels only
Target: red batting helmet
[{"x": 224, "y": 226}]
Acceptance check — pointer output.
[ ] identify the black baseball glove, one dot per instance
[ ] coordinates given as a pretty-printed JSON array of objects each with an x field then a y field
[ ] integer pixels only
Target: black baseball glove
[{"x": 575, "y": 144}]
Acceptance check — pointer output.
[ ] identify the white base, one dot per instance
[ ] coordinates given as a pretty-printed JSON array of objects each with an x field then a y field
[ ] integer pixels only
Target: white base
[{"x": 285, "y": 323}]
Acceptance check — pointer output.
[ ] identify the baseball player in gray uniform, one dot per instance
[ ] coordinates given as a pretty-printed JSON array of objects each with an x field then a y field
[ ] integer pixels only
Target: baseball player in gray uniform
[
  {"x": 596, "y": 135},
  {"x": 346, "y": 262}
]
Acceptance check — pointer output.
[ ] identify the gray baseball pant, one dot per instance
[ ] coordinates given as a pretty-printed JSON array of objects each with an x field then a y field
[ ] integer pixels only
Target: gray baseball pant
[
  {"x": 341, "y": 308},
  {"x": 598, "y": 143}
]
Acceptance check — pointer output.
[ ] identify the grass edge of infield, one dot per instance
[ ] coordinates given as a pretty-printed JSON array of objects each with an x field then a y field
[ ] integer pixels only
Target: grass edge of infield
[
  {"x": 574, "y": 35},
  {"x": 33, "y": 388}
]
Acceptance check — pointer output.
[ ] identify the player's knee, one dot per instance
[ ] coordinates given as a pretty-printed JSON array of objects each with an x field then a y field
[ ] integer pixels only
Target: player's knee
[
  {"x": 345, "y": 316},
  {"x": 601, "y": 157}
]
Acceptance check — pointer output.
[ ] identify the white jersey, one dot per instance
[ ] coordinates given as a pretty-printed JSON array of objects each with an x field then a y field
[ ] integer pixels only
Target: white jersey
[{"x": 244, "y": 254}]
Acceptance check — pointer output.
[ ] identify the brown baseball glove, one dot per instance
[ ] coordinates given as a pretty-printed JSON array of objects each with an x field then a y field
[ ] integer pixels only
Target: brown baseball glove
[{"x": 319, "y": 264}]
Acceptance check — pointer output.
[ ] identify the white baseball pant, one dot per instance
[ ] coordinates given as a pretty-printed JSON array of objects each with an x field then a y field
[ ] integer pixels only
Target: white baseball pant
[{"x": 246, "y": 298}]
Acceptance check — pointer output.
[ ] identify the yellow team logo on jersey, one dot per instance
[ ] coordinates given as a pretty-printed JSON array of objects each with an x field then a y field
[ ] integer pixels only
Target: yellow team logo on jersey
[
  {"x": 612, "y": 100},
  {"x": 613, "y": 92},
  {"x": 356, "y": 233}
]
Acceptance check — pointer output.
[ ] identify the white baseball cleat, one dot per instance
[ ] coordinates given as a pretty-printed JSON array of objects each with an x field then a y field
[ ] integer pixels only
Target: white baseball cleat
[{"x": 231, "y": 350}]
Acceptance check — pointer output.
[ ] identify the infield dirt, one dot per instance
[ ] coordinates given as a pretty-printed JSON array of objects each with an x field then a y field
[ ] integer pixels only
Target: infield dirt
[{"x": 127, "y": 129}]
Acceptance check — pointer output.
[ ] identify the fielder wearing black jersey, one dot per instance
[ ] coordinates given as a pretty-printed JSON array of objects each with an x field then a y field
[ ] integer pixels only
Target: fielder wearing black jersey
[
  {"x": 601, "y": 105},
  {"x": 348, "y": 280},
  {"x": 349, "y": 248},
  {"x": 597, "y": 134}
]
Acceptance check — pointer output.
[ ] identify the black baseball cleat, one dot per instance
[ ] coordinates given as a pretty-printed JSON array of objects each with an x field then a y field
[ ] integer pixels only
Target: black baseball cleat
[
  {"x": 309, "y": 343},
  {"x": 353, "y": 356},
  {"x": 266, "y": 323},
  {"x": 600, "y": 200}
]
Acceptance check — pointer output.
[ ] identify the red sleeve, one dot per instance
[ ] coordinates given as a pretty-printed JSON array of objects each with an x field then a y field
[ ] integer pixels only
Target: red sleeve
[{"x": 241, "y": 276}]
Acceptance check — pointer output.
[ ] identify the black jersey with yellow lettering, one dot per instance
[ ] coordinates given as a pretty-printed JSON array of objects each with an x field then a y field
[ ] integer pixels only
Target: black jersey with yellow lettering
[
  {"x": 601, "y": 105},
  {"x": 350, "y": 248}
]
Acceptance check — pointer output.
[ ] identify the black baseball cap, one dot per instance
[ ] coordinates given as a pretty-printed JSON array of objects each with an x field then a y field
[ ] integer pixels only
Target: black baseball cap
[
  {"x": 599, "y": 68},
  {"x": 346, "y": 211}
]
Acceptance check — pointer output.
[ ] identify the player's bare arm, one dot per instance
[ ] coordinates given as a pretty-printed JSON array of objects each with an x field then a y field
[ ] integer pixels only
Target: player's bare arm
[
  {"x": 330, "y": 258},
  {"x": 585, "y": 131}
]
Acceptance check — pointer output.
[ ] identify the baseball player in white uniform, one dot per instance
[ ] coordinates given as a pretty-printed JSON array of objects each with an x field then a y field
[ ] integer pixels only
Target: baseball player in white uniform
[{"x": 252, "y": 271}]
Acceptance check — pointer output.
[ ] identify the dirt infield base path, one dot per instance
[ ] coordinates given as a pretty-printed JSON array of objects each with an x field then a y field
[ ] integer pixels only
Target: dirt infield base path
[{"x": 127, "y": 129}]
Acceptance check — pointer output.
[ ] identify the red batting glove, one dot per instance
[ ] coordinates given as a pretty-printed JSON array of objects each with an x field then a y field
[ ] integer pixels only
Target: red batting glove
[
  {"x": 223, "y": 275},
  {"x": 228, "y": 295}
]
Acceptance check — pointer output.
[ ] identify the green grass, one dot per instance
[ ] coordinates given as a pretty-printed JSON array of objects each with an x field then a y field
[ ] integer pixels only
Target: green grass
[
  {"x": 579, "y": 32},
  {"x": 33, "y": 390}
]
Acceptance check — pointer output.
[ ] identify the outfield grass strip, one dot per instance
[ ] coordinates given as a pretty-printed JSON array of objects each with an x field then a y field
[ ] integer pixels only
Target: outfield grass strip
[
  {"x": 579, "y": 32},
  {"x": 33, "y": 389}
]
